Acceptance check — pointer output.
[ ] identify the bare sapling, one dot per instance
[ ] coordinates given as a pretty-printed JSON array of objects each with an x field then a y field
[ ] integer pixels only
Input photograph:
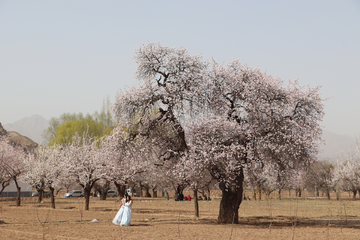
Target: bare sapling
[
  {"x": 294, "y": 219},
  {"x": 179, "y": 224},
  {"x": 345, "y": 214},
  {"x": 328, "y": 225},
  {"x": 42, "y": 223},
  {"x": 270, "y": 213},
  {"x": 81, "y": 211}
]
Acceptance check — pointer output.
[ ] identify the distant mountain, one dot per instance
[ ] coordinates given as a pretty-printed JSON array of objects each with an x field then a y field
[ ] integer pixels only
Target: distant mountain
[
  {"x": 31, "y": 127},
  {"x": 336, "y": 146}
]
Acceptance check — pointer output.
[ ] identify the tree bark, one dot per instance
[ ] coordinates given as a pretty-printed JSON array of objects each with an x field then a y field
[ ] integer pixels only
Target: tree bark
[
  {"x": 231, "y": 200},
  {"x": 328, "y": 193},
  {"x": 167, "y": 195},
  {"x": 4, "y": 185},
  {"x": 196, "y": 203},
  {"x": 52, "y": 197},
  {"x": 141, "y": 189},
  {"x": 154, "y": 193},
  {"x": 40, "y": 195},
  {"x": 18, "y": 194},
  {"x": 259, "y": 189},
  {"x": 354, "y": 194},
  {"x": 254, "y": 193},
  {"x": 147, "y": 193},
  {"x": 279, "y": 193},
  {"x": 120, "y": 188},
  {"x": 87, "y": 191}
]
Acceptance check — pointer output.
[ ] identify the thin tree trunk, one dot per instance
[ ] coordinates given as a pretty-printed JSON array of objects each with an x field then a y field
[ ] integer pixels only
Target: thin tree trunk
[
  {"x": 18, "y": 194},
  {"x": 104, "y": 189},
  {"x": 141, "y": 189},
  {"x": 52, "y": 197},
  {"x": 196, "y": 203},
  {"x": 279, "y": 193},
  {"x": 154, "y": 193},
  {"x": 328, "y": 194},
  {"x": 259, "y": 189},
  {"x": 254, "y": 193},
  {"x": 4, "y": 185},
  {"x": 231, "y": 200},
  {"x": 167, "y": 195}
]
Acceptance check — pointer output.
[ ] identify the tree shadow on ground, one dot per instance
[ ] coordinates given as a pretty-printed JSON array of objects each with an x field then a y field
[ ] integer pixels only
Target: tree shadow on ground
[{"x": 286, "y": 221}]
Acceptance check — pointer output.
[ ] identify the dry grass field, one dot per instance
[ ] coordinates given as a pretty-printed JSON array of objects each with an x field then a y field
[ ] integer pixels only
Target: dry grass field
[{"x": 157, "y": 218}]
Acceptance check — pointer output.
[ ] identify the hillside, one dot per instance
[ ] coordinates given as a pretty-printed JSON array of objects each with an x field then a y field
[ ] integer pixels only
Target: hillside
[
  {"x": 335, "y": 146},
  {"x": 16, "y": 139},
  {"x": 31, "y": 127}
]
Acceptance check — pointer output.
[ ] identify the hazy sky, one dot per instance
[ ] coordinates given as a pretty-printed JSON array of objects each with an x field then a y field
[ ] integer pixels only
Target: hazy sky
[{"x": 68, "y": 56}]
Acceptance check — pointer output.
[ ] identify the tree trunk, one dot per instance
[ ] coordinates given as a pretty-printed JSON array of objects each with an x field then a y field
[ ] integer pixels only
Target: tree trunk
[
  {"x": 4, "y": 185},
  {"x": 40, "y": 195},
  {"x": 52, "y": 197},
  {"x": 279, "y": 193},
  {"x": 87, "y": 191},
  {"x": 337, "y": 191},
  {"x": 231, "y": 200},
  {"x": 196, "y": 203},
  {"x": 147, "y": 193},
  {"x": 254, "y": 193},
  {"x": 354, "y": 194},
  {"x": 167, "y": 195},
  {"x": 103, "y": 194},
  {"x": 18, "y": 194},
  {"x": 141, "y": 189},
  {"x": 259, "y": 189},
  {"x": 328, "y": 193},
  {"x": 154, "y": 193},
  {"x": 57, "y": 191},
  {"x": 120, "y": 188}
]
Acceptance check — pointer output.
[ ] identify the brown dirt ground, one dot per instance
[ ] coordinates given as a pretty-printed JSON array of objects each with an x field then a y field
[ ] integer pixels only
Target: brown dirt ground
[{"x": 157, "y": 218}]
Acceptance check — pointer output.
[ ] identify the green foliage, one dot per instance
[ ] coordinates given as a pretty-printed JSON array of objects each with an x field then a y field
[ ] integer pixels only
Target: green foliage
[
  {"x": 69, "y": 129},
  {"x": 61, "y": 130}
]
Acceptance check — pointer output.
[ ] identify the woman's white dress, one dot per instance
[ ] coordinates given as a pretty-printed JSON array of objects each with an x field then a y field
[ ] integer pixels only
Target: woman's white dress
[
  {"x": 119, "y": 215},
  {"x": 127, "y": 214}
]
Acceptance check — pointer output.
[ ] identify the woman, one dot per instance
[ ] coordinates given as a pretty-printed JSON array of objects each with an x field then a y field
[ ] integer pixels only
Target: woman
[
  {"x": 126, "y": 217},
  {"x": 119, "y": 215}
]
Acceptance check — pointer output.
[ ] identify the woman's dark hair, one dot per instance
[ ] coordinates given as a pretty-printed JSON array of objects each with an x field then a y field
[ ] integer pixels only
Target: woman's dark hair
[{"x": 129, "y": 198}]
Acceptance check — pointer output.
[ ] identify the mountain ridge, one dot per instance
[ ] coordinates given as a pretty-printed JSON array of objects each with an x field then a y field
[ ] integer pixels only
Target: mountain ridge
[{"x": 31, "y": 127}]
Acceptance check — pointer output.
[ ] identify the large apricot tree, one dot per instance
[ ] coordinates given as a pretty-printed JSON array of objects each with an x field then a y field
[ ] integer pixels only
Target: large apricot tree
[{"x": 238, "y": 115}]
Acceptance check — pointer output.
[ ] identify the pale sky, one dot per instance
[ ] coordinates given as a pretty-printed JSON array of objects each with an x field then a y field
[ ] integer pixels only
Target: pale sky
[{"x": 68, "y": 56}]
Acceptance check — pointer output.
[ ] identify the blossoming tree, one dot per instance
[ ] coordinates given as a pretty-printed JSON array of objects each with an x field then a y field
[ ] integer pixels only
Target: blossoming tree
[
  {"x": 43, "y": 169},
  {"x": 246, "y": 115},
  {"x": 11, "y": 165}
]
